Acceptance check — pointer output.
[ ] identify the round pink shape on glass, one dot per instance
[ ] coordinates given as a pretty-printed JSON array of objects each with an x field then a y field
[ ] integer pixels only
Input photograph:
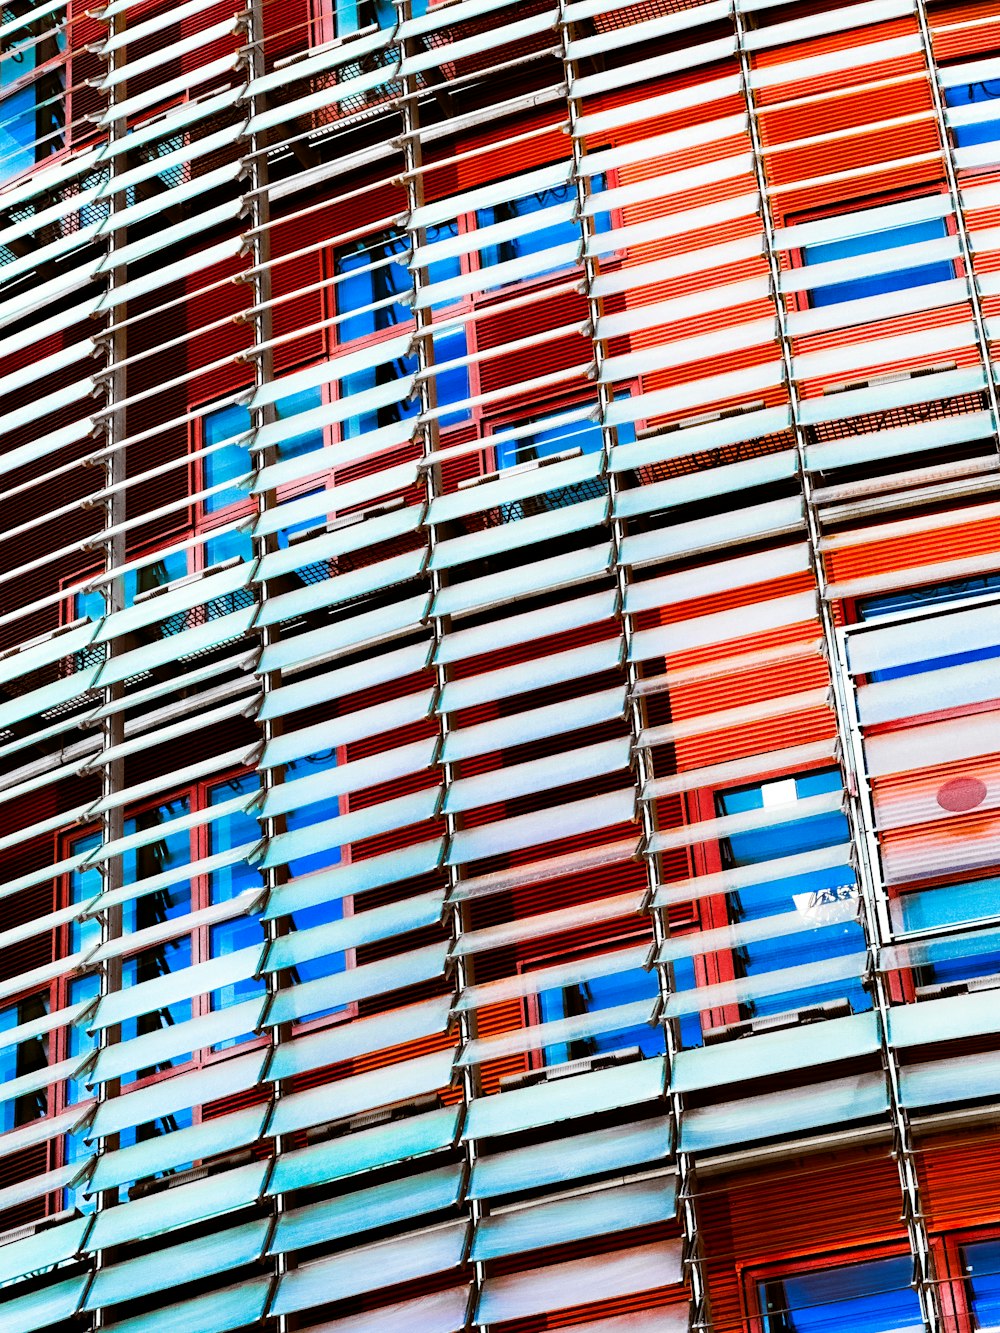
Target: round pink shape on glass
[{"x": 961, "y": 794}]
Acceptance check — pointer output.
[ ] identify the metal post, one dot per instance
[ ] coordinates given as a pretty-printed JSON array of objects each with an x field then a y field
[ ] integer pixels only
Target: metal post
[
  {"x": 424, "y": 346},
  {"x": 871, "y": 890},
  {"x": 700, "y": 1312}
]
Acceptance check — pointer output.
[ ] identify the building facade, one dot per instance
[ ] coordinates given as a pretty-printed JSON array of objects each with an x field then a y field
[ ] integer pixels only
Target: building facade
[{"x": 499, "y": 694}]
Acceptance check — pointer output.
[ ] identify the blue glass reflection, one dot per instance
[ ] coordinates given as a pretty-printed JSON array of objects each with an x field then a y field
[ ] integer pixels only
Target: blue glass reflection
[
  {"x": 759, "y": 901},
  {"x": 234, "y": 830},
  {"x": 878, "y": 284},
  {"x": 870, "y": 608},
  {"x": 982, "y": 1266},
  {"x": 864, "y": 1298},
  {"x": 17, "y": 129},
  {"x": 591, "y": 996},
  {"x": 230, "y": 461},
  {"x": 372, "y": 270},
  {"x": 532, "y": 242},
  {"x": 967, "y": 94},
  {"x": 28, "y": 1057}
]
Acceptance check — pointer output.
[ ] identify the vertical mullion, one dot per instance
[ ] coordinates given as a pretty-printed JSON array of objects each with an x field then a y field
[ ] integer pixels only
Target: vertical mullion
[
  {"x": 700, "y": 1312},
  {"x": 872, "y": 891},
  {"x": 258, "y": 241},
  {"x": 427, "y": 388},
  {"x": 115, "y": 548},
  {"x": 958, "y": 208}
]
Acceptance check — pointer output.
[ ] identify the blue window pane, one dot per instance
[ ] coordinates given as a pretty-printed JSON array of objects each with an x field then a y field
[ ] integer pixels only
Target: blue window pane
[
  {"x": 155, "y": 575},
  {"x": 153, "y": 1129},
  {"x": 981, "y": 1263},
  {"x": 553, "y": 435},
  {"x": 235, "y": 830},
  {"x": 169, "y": 853},
  {"x": 373, "y": 272},
  {"x": 591, "y": 996},
  {"x": 401, "y": 367},
  {"x": 172, "y": 957},
  {"x": 90, "y": 604},
  {"x": 443, "y": 269},
  {"x": 18, "y": 1061},
  {"x": 685, "y": 978},
  {"x": 312, "y": 814},
  {"x": 321, "y": 913},
  {"x": 982, "y": 131},
  {"x": 453, "y": 384},
  {"x": 354, "y": 15},
  {"x": 292, "y": 406},
  {"x": 864, "y": 1298},
  {"x": 84, "y": 885},
  {"x": 543, "y": 237},
  {"x": 891, "y": 603},
  {"x": 874, "y": 243},
  {"x": 74, "y": 1150},
  {"x": 759, "y": 901},
  {"x": 17, "y": 129},
  {"x": 230, "y": 546},
  {"x": 304, "y": 525},
  {"x": 533, "y": 241},
  {"x": 230, "y": 462},
  {"x": 82, "y": 990}
]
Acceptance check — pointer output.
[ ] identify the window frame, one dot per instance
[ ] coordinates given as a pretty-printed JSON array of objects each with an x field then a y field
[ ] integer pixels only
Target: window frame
[
  {"x": 59, "y": 990},
  {"x": 537, "y": 958},
  {"x": 801, "y": 301},
  {"x": 44, "y": 75},
  {"x": 754, "y": 1276}
]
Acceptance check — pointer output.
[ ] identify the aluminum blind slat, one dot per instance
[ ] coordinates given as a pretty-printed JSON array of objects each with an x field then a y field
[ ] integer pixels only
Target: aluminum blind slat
[
  {"x": 538, "y": 1165},
  {"x": 353, "y": 1214},
  {"x": 215, "y": 1312},
  {"x": 579, "y": 1281},
  {"x": 363, "y": 1036},
  {"x": 180, "y": 1206},
  {"x": 577, "y": 1218},
  {"x": 401, "y": 1259},
  {"x": 367, "y": 1150},
  {"x": 362, "y": 1092},
  {"x": 196, "y": 1259},
  {"x": 150, "y": 1156}
]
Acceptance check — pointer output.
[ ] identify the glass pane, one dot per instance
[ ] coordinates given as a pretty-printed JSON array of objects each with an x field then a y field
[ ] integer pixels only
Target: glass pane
[
  {"x": 230, "y": 462},
  {"x": 320, "y": 913},
  {"x": 292, "y": 406},
  {"x": 155, "y": 575},
  {"x": 234, "y": 830},
  {"x": 452, "y": 385},
  {"x": 541, "y": 238},
  {"x": 84, "y": 885},
  {"x": 982, "y": 1264},
  {"x": 374, "y": 270},
  {"x": 759, "y": 901},
  {"x": 984, "y": 131},
  {"x": 589, "y": 997},
  {"x": 81, "y": 990},
  {"x": 231, "y": 545},
  {"x": 17, "y": 123},
  {"x": 401, "y": 368},
  {"x": 27, "y": 1058},
  {"x": 874, "y": 243},
  {"x": 871, "y": 608},
  {"x": 865, "y": 1298}
]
